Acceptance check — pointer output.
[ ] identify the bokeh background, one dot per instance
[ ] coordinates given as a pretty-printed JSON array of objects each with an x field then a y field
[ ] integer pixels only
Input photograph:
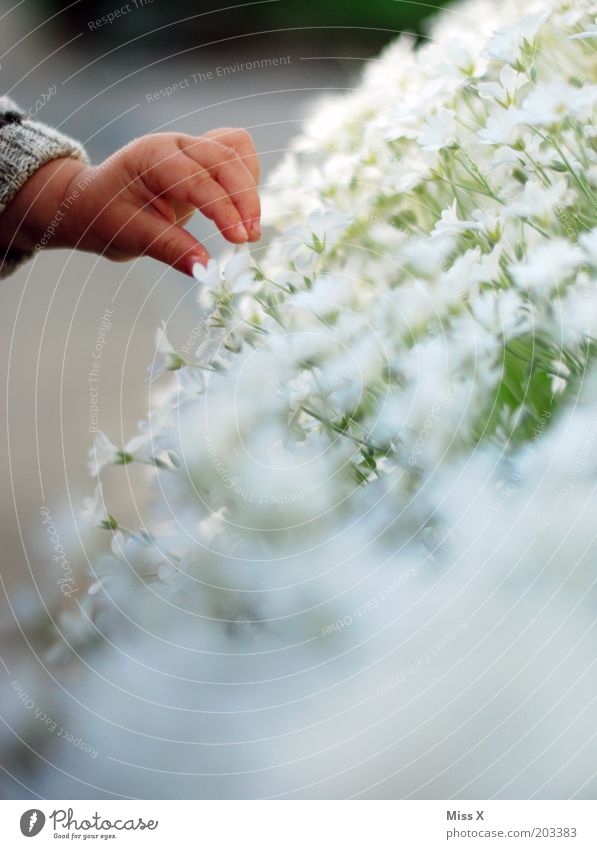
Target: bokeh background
[{"x": 93, "y": 79}]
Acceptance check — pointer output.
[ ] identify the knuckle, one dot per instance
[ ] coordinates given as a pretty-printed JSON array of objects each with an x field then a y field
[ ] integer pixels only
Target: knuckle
[
  {"x": 241, "y": 133},
  {"x": 212, "y": 207},
  {"x": 201, "y": 177},
  {"x": 196, "y": 149},
  {"x": 231, "y": 151},
  {"x": 209, "y": 208},
  {"x": 248, "y": 145},
  {"x": 230, "y": 158},
  {"x": 226, "y": 212},
  {"x": 185, "y": 141},
  {"x": 150, "y": 154},
  {"x": 211, "y": 143},
  {"x": 154, "y": 143},
  {"x": 237, "y": 172},
  {"x": 172, "y": 251}
]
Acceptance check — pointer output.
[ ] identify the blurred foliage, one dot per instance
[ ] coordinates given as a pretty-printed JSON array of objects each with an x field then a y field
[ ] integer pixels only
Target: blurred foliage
[{"x": 369, "y": 23}]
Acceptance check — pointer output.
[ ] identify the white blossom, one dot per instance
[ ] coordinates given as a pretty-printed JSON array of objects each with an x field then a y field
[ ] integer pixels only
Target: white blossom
[
  {"x": 439, "y": 130},
  {"x": 547, "y": 266},
  {"x": 103, "y": 453},
  {"x": 509, "y": 41},
  {"x": 166, "y": 357},
  {"x": 589, "y": 243},
  {"x": 94, "y": 511}
]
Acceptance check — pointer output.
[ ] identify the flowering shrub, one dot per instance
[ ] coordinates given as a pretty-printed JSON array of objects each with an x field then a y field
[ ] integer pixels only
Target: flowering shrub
[{"x": 373, "y": 481}]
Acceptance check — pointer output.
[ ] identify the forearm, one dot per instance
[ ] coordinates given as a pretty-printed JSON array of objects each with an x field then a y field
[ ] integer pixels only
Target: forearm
[
  {"x": 37, "y": 215},
  {"x": 28, "y": 176}
]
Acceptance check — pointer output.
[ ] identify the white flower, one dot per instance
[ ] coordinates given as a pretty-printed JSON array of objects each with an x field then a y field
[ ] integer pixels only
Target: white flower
[
  {"x": 466, "y": 271},
  {"x": 209, "y": 275},
  {"x": 239, "y": 270},
  {"x": 151, "y": 439},
  {"x": 140, "y": 448},
  {"x": 463, "y": 60},
  {"x": 583, "y": 101},
  {"x": 439, "y": 130},
  {"x": 322, "y": 230},
  {"x": 537, "y": 199},
  {"x": 553, "y": 102},
  {"x": 588, "y": 242},
  {"x": 327, "y": 294},
  {"x": 561, "y": 376},
  {"x": 547, "y": 266},
  {"x": 166, "y": 357},
  {"x": 405, "y": 122},
  {"x": 451, "y": 224},
  {"x": 103, "y": 453},
  {"x": 94, "y": 511},
  {"x": 141, "y": 552},
  {"x": 503, "y": 127},
  {"x": 508, "y": 42},
  {"x": 505, "y": 91},
  {"x": 212, "y": 526},
  {"x": 504, "y": 313}
]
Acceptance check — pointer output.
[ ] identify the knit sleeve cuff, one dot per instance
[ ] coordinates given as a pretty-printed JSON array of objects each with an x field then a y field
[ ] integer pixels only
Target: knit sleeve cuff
[{"x": 24, "y": 147}]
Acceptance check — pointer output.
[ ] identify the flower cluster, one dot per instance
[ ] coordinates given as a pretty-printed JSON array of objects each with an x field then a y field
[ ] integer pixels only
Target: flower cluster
[
  {"x": 393, "y": 386},
  {"x": 431, "y": 287}
]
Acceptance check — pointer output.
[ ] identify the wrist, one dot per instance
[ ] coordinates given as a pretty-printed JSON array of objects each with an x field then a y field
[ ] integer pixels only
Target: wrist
[{"x": 39, "y": 215}]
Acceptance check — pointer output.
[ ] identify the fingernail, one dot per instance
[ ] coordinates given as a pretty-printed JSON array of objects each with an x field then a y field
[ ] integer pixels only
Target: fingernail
[
  {"x": 256, "y": 228},
  {"x": 240, "y": 232},
  {"x": 195, "y": 261}
]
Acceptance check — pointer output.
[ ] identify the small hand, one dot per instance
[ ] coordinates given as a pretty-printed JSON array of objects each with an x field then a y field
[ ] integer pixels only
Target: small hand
[{"x": 137, "y": 201}]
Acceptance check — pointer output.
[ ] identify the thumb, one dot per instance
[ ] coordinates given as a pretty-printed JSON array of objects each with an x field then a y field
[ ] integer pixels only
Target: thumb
[{"x": 170, "y": 244}]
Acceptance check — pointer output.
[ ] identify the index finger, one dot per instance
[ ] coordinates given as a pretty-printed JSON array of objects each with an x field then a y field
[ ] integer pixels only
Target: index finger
[{"x": 241, "y": 141}]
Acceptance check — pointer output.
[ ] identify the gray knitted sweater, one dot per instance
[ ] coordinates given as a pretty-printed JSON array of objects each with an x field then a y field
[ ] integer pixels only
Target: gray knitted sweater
[{"x": 25, "y": 146}]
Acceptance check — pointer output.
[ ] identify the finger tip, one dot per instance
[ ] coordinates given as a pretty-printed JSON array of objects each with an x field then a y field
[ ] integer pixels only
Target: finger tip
[
  {"x": 240, "y": 234},
  {"x": 197, "y": 263}
]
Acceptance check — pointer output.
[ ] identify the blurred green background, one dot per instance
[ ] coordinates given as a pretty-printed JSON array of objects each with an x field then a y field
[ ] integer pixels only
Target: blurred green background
[{"x": 153, "y": 22}]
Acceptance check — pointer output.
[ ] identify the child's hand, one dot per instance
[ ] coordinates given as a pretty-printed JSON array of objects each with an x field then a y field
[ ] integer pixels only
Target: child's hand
[{"x": 137, "y": 201}]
